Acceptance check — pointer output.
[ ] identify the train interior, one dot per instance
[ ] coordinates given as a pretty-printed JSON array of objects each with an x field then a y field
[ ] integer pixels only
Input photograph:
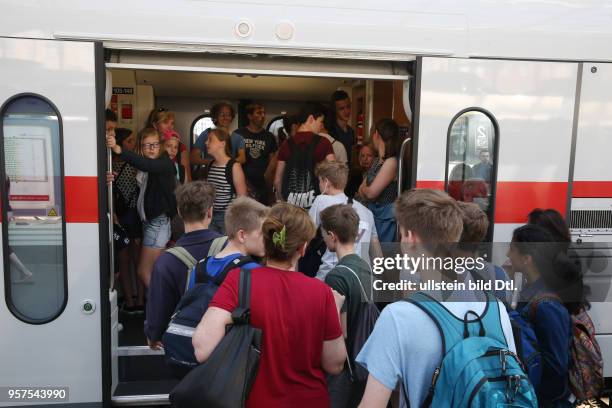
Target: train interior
[{"x": 140, "y": 374}]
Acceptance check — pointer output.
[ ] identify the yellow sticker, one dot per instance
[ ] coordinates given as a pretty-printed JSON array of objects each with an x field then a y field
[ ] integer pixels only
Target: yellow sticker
[{"x": 52, "y": 213}]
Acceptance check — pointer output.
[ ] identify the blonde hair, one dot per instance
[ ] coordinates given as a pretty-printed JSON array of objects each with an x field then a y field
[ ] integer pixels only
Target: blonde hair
[
  {"x": 431, "y": 214},
  {"x": 285, "y": 230},
  {"x": 142, "y": 135},
  {"x": 158, "y": 116},
  {"x": 244, "y": 213},
  {"x": 336, "y": 172}
]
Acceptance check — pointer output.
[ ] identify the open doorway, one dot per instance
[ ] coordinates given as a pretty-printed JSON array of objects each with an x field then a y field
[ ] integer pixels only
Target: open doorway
[{"x": 191, "y": 96}]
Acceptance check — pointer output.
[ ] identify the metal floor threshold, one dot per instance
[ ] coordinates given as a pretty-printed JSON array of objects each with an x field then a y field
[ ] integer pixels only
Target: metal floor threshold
[{"x": 143, "y": 393}]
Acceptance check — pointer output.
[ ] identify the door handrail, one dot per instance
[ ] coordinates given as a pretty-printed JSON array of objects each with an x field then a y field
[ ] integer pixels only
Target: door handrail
[
  {"x": 111, "y": 224},
  {"x": 400, "y": 166}
]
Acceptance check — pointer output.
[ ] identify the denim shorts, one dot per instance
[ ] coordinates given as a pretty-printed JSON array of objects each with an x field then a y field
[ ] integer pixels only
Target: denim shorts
[
  {"x": 218, "y": 222},
  {"x": 156, "y": 233}
]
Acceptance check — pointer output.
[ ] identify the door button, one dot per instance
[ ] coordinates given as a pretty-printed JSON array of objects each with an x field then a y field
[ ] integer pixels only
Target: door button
[{"x": 88, "y": 306}]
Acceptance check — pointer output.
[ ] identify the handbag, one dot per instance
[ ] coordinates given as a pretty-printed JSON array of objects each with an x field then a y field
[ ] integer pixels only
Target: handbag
[{"x": 226, "y": 378}]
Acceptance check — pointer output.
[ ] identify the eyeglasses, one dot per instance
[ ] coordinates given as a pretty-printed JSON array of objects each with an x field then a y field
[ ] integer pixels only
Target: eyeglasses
[{"x": 150, "y": 145}]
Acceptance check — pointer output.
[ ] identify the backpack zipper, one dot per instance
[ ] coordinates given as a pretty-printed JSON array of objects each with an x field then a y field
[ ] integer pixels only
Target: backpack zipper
[{"x": 484, "y": 380}]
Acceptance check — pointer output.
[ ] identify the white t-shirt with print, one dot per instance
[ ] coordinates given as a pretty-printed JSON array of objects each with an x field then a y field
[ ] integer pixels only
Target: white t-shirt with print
[{"x": 366, "y": 232}]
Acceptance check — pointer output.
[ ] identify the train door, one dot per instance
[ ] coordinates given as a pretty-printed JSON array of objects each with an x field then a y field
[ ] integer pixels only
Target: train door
[
  {"x": 591, "y": 192},
  {"x": 497, "y": 133},
  {"x": 51, "y": 348}
]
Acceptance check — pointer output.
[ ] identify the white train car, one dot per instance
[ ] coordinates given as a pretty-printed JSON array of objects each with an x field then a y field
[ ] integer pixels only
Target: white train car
[{"x": 528, "y": 82}]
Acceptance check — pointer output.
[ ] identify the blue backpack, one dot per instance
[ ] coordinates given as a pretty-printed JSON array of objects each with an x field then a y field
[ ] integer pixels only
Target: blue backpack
[
  {"x": 477, "y": 369},
  {"x": 527, "y": 347},
  {"x": 178, "y": 348}
]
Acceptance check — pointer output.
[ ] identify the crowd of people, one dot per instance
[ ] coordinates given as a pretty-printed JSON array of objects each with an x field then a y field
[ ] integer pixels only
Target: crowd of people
[
  {"x": 269, "y": 198},
  {"x": 246, "y": 162}
]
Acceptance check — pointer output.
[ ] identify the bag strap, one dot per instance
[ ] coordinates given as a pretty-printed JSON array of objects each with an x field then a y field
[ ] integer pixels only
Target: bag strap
[
  {"x": 186, "y": 258},
  {"x": 244, "y": 293},
  {"x": 216, "y": 246},
  {"x": 537, "y": 299},
  {"x": 451, "y": 330},
  {"x": 229, "y": 175},
  {"x": 202, "y": 275},
  {"x": 360, "y": 285},
  {"x": 242, "y": 314}
]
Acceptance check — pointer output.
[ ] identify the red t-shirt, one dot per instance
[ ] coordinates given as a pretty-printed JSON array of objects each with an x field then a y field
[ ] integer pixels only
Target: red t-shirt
[
  {"x": 323, "y": 148},
  {"x": 296, "y": 314}
]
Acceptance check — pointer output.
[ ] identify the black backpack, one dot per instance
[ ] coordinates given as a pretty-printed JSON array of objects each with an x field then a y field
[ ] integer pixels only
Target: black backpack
[
  {"x": 361, "y": 329},
  {"x": 188, "y": 313},
  {"x": 300, "y": 185},
  {"x": 311, "y": 261},
  {"x": 226, "y": 378},
  {"x": 202, "y": 174}
]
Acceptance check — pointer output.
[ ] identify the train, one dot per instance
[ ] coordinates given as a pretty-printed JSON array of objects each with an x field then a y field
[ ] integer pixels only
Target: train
[{"x": 527, "y": 82}]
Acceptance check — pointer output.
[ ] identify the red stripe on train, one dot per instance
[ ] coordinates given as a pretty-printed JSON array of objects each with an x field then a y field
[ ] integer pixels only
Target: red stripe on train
[
  {"x": 436, "y": 185},
  {"x": 81, "y": 199},
  {"x": 516, "y": 199},
  {"x": 592, "y": 189}
]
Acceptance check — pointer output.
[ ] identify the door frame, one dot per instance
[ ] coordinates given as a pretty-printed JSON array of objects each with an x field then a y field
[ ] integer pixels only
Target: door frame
[{"x": 103, "y": 222}]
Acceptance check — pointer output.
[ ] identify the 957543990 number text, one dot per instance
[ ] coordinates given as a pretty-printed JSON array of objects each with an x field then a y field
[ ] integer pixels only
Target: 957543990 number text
[{"x": 21, "y": 394}]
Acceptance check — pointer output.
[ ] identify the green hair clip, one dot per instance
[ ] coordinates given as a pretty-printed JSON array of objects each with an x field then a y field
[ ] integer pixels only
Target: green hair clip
[{"x": 280, "y": 238}]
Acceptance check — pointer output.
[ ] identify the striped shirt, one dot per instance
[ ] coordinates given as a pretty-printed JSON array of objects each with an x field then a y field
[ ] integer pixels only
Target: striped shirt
[{"x": 223, "y": 190}]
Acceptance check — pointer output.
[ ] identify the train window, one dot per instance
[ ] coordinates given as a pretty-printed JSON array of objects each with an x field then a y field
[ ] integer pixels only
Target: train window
[
  {"x": 200, "y": 124},
  {"x": 472, "y": 157},
  {"x": 34, "y": 230}
]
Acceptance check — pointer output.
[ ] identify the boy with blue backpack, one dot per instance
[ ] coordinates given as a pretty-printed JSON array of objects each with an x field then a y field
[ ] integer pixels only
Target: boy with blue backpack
[
  {"x": 243, "y": 220},
  {"x": 445, "y": 349},
  {"x": 169, "y": 276}
]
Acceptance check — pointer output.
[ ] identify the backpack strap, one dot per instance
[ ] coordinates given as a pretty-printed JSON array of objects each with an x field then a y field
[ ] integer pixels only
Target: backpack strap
[
  {"x": 532, "y": 306},
  {"x": 360, "y": 285},
  {"x": 217, "y": 245},
  {"x": 202, "y": 275},
  {"x": 454, "y": 329},
  {"x": 186, "y": 258},
  {"x": 449, "y": 326},
  {"x": 229, "y": 176}
]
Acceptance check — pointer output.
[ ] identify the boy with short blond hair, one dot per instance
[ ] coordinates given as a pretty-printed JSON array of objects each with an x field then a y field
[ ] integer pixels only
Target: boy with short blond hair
[
  {"x": 405, "y": 347},
  {"x": 243, "y": 220},
  {"x": 333, "y": 176},
  {"x": 244, "y": 217},
  {"x": 244, "y": 214}
]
